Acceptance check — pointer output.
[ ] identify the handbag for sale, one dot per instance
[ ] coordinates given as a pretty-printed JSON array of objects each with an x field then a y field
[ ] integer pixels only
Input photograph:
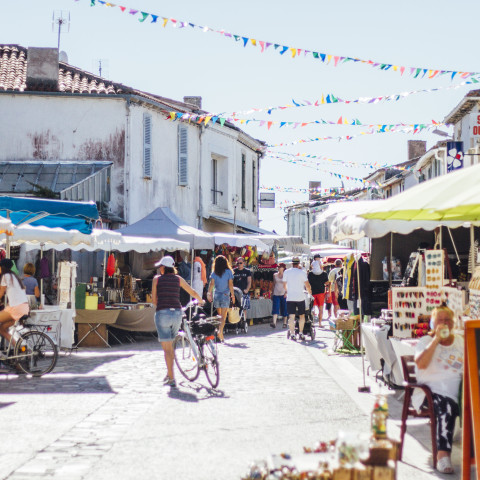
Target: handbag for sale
[{"x": 234, "y": 315}]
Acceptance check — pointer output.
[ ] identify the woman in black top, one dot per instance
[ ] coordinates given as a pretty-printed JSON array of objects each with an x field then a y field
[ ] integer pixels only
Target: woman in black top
[{"x": 168, "y": 317}]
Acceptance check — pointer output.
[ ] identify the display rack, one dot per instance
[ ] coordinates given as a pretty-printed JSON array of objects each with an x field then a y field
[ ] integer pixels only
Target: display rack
[{"x": 409, "y": 303}]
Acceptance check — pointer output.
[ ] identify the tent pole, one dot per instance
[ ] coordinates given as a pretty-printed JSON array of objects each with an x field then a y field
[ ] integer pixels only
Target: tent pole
[
  {"x": 104, "y": 267},
  {"x": 472, "y": 249},
  {"x": 363, "y": 388},
  {"x": 192, "y": 256},
  {"x": 41, "y": 279},
  {"x": 7, "y": 246}
]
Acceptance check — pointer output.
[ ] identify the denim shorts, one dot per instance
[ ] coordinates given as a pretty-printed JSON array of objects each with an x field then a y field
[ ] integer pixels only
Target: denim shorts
[
  {"x": 168, "y": 322},
  {"x": 221, "y": 300}
]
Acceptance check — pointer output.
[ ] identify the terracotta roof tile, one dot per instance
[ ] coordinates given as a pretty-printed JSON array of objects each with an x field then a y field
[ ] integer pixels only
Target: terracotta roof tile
[{"x": 13, "y": 77}]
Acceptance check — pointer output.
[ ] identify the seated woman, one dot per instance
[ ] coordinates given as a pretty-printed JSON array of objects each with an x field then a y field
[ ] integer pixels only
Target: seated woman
[
  {"x": 17, "y": 301},
  {"x": 30, "y": 282},
  {"x": 439, "y": 365}
]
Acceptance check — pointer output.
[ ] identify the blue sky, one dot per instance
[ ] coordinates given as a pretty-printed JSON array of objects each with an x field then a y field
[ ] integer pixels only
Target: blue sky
[{"x": 176, "y": 62}]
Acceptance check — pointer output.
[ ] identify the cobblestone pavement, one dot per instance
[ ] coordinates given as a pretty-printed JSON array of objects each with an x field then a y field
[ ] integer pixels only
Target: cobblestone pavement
[{"x": 104, "y": 413}]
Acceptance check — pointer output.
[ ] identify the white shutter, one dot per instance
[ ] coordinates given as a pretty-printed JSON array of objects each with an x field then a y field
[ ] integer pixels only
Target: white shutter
[
  {"x": 182, "y": 155},
  {"x": 147, "y": 145}
]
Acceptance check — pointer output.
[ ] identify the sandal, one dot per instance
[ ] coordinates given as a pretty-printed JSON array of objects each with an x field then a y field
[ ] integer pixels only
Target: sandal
[
  {"x": 273, "y": 325},
  {"x": 444, "y": 465}
]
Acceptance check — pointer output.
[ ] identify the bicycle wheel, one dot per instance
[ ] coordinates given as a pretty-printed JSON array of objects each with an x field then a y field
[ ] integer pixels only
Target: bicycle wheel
[
  {"x": 212, "y": 370},
  {"x": 38, "y": 353},
  {"x": 185, "y": 358}
]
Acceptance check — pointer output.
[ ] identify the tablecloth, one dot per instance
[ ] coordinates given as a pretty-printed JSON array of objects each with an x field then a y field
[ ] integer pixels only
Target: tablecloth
[
  {"x": 139, "y": 320},
  {"x": 61, "y": 321},
  {"x": 377, "y": 347},
  {"x": 97, "y": 316},
  {"x": 403, "y": 347},
  {"x": 260, "y": 308}
]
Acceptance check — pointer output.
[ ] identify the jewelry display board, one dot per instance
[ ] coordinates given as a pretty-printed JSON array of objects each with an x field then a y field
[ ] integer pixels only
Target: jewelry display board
[{"x": 409, "y": 303}]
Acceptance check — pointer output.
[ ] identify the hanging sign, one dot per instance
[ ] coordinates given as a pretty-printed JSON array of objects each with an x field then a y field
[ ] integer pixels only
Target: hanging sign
[
  {"x": 454, "y": 156},
  {"x": 267, "y": 200},
  {"x": 475, "y": 122}
]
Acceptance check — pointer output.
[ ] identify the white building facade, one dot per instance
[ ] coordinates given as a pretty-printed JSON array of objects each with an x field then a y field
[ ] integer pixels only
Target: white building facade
[{"x": 206, "y": 173}]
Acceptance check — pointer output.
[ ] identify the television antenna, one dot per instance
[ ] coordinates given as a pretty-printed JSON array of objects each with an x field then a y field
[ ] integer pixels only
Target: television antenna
[
  {"x": 61, "y": 19},
  {"x": 100, "y": 65}
]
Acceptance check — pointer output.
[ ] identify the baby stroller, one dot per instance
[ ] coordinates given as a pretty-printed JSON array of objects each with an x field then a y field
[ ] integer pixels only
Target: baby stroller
[
  {"x": 308, "y": 328},
  {"x": 242, "y": 324}
]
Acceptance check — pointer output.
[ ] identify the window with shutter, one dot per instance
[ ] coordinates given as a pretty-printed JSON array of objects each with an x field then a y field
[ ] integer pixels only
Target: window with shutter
[
  {"x": 147, "y": 145},
  {"x": 254, "y": 186},
  {"x": 182, "y": 155}
]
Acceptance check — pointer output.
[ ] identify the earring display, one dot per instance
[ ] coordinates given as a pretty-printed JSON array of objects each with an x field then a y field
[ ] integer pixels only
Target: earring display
[
  {"x": 409, "y": 304},
  {"x": 434, "y": 269}
]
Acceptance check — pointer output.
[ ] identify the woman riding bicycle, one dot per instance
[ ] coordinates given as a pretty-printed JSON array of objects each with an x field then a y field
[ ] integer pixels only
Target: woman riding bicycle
[
  {"x": 222, "y": 280},
  {"x": 168, "y": 317},
  {"x": 16, "y": 304}
]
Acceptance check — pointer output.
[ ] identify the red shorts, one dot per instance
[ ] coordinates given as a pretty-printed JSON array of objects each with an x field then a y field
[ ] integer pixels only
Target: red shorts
[
  {"x": 319, "y": 299},
  {"x": 334, "y": 298}
]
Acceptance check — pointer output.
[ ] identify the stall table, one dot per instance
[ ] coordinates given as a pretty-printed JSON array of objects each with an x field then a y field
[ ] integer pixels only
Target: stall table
[
  {"x": 403, "y": 347},
  {"x": 259, "y": 308},
  {"x": 92, "y": 322}
]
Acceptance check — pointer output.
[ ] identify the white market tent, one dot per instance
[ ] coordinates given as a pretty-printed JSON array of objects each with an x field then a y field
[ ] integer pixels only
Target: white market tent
[
  {"x": 163, "y": 223},
  {"x": 451, "y": 197},
  {"x": 239, "y": 240},
  {"x": 345, "y": 221},
  {"x": 289, "y": 243},
  {"x": 125, "y": 244}
]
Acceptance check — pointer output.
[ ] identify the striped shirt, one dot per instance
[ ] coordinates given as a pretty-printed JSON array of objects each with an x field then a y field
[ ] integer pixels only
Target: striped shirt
[{"x": 168, "y": 291}]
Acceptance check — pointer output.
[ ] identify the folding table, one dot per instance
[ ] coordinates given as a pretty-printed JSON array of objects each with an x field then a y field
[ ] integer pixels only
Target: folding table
[{"x": 95, "y": 319}]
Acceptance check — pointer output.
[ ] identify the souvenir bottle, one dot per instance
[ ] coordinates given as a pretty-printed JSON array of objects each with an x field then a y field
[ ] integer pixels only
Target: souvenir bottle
[{"x": 379, "y": 417}]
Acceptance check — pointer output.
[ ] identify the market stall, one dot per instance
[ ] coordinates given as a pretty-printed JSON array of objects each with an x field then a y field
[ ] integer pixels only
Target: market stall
[
  {"x": 116, "y": 300},
  {"x": 433, "y": 273},
  {"x": 36, "y": 221}
]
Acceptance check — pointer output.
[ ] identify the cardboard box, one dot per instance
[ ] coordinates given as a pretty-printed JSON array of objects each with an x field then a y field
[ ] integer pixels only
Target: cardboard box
[{"x": 92, "y": 339}]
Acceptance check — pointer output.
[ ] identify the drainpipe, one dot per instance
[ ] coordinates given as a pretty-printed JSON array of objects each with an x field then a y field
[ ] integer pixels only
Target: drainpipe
[
  {"x": 126, "y": 165},
  {"x": 200, "y": 192}
]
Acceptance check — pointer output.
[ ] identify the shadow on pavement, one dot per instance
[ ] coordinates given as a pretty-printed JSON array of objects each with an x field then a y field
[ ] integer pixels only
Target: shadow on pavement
[
  {"x": 82, "y": 364},
  {"x": 6, "y": 404},
  {"x": 181, "y": 395},
  {"x": 236, "y": 345},
  {"x": 50, "y": 384},
  {"x": 206, "y": 392}
]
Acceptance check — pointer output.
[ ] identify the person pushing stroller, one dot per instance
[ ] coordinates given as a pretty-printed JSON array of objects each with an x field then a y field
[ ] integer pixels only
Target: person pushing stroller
[{"x": 295, "y": 282}]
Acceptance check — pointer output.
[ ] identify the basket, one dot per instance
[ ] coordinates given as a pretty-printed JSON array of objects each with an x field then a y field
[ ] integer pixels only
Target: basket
[
  {"x": 203, "y": 327},
  {"x": 344, "y": 324},
  {"x": 233, "y": 315}
]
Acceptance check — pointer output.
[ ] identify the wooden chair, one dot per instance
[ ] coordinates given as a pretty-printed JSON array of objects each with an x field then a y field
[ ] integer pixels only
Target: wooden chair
[{"x": 408, "y": 366}]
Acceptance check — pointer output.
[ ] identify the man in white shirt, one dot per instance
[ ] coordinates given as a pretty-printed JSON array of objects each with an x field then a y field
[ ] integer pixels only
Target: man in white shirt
[
  {"x": 332, "y": 278},
  {"x": 295, "y": 282}
]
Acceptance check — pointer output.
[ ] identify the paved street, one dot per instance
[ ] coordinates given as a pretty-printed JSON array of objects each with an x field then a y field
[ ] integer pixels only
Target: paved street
[{"x": 104, "y": 413}]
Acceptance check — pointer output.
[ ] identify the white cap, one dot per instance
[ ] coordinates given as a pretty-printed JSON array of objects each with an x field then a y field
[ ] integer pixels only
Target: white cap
[{"x": 166, "y": 262}]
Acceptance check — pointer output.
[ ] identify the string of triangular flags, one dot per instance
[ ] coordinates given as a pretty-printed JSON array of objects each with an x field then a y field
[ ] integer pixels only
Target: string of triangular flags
[
  {"x": 292, "y": 52},
  {"x": 329, "y": 172},
  {"x": 330, "y": 98},
  {"x": 383, "y": 129},
  {"x": 315, "y": 159},
  {"x": 207, "y": 118}
]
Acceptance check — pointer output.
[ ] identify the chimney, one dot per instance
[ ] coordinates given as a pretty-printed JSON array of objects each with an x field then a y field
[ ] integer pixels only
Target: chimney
[
  {"x": 314, "y": 195},
  {"x": 416, "y": 148},
  {"x": 42, "y": 69},
  {"x": 194, "y": 101}
]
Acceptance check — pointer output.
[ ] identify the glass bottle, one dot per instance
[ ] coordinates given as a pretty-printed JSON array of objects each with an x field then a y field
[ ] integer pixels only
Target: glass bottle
[{"x": 379, "y": 417}]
